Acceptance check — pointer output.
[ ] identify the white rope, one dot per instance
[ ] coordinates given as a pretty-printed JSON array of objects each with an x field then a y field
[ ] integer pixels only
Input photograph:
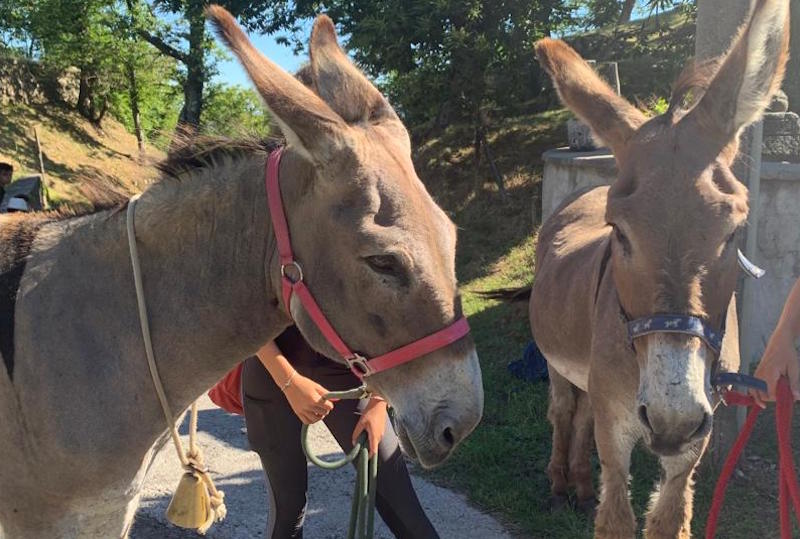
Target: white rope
[{"x": 192, "y": 461}]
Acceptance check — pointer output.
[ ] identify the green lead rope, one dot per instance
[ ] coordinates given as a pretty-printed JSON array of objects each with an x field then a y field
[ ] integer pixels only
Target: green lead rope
[{"x": 362, "y": 510}]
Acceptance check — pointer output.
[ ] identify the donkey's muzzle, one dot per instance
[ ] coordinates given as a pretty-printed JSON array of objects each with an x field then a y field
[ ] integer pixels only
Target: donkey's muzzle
[{"x": 669, "y": 434}]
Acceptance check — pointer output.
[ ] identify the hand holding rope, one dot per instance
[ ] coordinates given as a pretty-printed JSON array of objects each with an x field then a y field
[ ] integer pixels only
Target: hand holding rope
[
  {"x": 789, "y": 491},
  {"x": 362, "y": 510}
]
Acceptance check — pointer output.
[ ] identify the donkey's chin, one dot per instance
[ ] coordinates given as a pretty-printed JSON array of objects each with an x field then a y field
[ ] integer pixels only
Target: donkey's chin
[
  {"x": 421, "y": 451},
  {"x": 405, "y": 443},
  {"x": 664, "y": 448}
]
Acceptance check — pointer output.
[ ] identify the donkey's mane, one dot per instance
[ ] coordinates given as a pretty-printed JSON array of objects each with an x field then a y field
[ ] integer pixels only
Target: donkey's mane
[
  {"x": 185, "y": 160},
  {"x": 204, "y": 151}
]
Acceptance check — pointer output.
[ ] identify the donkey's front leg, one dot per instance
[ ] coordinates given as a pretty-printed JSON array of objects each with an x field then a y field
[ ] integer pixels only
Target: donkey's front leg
[
  {"x": 560, "y": 412},
  {"x": 670, "y": 514},
  {"x": 615, "y": 433},
  {"x": 580, "y": 454}
]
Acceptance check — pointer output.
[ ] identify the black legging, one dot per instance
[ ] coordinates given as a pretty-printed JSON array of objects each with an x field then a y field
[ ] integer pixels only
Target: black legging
[{"x": 274, "y": 433}]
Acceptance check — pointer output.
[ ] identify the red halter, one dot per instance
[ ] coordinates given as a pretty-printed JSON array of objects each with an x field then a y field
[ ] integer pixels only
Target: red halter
[{"x": 294, "y": 285}]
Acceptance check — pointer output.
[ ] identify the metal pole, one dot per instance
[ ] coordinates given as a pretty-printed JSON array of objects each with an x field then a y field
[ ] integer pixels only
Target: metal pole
[{"x": 752, "y": 164}]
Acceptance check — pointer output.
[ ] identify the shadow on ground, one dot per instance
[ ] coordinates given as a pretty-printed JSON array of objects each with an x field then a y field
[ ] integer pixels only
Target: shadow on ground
[{"x": 241, "y": 491}]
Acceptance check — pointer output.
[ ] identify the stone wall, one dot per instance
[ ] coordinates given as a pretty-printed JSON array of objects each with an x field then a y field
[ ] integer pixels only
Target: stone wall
[
  {"x": 20, "y": 82},
  {"x": 26, "y": 82},
  {"x": 778, "y": 243}
]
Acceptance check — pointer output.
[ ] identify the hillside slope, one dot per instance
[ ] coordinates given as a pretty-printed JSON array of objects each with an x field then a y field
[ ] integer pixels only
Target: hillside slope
[{"x": 73, "y": 149}]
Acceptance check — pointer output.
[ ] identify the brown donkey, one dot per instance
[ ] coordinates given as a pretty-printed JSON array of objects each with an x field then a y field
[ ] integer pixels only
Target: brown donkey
[
  {"x": 660, "y": 241},
  {"x": 79, "y": 418}
]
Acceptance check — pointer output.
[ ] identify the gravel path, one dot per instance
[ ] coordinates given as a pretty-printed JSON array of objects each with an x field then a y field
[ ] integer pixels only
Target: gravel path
[{"x": 237, "y": 472}]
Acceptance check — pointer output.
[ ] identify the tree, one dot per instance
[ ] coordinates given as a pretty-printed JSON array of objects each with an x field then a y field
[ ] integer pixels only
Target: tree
[
  {"x": 599, "y": 13},
  {"x": 183, "y": 36},
  {"x": 627, "y": 10},
  {"x": 76, "y": 33},
  {"x": 67, "y": 33},
  {"x": 234, "y": 110},
  {"x": 440, "y": 58}
]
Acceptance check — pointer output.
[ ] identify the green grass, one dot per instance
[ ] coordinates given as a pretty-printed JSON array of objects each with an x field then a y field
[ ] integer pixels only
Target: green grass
[{"x": 501, "y": 466}]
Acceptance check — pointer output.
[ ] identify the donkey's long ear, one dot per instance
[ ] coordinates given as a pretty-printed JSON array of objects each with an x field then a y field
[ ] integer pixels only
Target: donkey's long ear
[
  {"x": 306, "y": 120},
  {"x": 611, "y": 117},
  {"x": 339, "y": 82},
  {"x": 750, "y": 73}
]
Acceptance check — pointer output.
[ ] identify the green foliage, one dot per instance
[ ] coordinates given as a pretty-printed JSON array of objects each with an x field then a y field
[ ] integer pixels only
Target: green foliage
[
  {"x": 180, "y": 33},
  {"x": 657, "y": 106},
  {"x": 14, "y": 22},
  {"x": 159, "y": 102},
  {"x": 600, "y": 13},
  {"x": 650, "y": 52},
  {"x": 447, "y": 60},
  {"x": 65, "y": 33},
  {"x": 234, "y": 110}
]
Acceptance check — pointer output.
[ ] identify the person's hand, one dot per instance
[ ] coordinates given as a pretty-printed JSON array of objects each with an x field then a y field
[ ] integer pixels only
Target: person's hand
[
  {"x": 373, "y": 421},
  {"x": 307, "y": 399},
  {"x": 779, "y": 359}
]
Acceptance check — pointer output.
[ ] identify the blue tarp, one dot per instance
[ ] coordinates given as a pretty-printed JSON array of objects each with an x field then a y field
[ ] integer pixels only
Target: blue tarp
[{"x": 532, "y": 367}]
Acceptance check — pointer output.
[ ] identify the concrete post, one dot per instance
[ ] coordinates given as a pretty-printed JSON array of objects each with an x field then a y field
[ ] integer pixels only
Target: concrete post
[{"x": 717, "y": 23}]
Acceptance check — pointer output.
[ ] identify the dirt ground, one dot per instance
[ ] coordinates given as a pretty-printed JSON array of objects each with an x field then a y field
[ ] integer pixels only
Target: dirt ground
[{"x": 237, "y": 472}]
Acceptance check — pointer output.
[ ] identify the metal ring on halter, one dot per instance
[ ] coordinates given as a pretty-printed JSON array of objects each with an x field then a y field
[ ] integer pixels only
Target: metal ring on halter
[
  {"x": 297, "y": 267},
  {"x": 360, "y": 364}
]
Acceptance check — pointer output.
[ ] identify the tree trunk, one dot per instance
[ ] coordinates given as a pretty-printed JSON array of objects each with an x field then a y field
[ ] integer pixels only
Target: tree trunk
[
  {"x": 88, "y": 99},
  {"x": 189, "y": 118},
  {"x": 84, "y": 95},
  {"x": 133, "y": 93},
  {"x": 627, "y": 11}
]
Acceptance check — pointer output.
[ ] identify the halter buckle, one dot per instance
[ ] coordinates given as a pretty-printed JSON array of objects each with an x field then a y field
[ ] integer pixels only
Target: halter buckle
[
  {"x": 358, "y": 364},
  {"x": 298, "y": 269}
]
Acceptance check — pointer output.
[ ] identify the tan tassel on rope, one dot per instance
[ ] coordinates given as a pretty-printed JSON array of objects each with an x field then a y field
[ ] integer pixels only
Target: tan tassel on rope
[{"x": 197, "y": 503}]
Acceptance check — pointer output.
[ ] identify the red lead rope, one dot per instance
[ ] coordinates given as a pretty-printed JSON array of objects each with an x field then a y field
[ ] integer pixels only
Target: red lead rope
[{"x": 786, "y": 472}]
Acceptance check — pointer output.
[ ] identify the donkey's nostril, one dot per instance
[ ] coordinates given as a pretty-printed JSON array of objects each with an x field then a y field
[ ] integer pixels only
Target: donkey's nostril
[
  {"x": 643, "y": 418},
  {"x": 448, "y": 438},
  {"x": 704, "y": 428}
]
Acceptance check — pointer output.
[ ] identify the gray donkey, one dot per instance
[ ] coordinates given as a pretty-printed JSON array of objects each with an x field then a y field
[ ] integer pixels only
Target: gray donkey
[{"x": 80, "y": 418}]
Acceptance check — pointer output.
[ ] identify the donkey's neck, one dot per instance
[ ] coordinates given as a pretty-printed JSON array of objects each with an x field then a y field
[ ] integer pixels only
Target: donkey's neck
[{"x": 206, "y": 247}]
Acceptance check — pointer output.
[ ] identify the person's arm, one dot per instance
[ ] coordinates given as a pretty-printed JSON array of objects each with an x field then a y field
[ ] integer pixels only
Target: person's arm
[
  {"x": 780, "y": 357},
  {"x": 305, "y": 396},
  {"x": 373, "y": 420}
]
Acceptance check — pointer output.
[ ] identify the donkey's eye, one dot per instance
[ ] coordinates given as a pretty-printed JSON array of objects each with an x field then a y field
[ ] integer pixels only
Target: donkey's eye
[
  {"x": 387, "y": 265},
  {"x": 623, "y": 240}
]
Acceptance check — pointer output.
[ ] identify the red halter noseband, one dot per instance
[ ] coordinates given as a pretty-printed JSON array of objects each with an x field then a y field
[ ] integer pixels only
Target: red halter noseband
[{"x": 360, "y": 366}]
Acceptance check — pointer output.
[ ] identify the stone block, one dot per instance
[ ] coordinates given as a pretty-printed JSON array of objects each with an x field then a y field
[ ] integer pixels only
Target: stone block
[
  {"x": 781, "y": 123},
  {"x": 580, "y": 137},
  {"x": 781, "y": 137},
  {"x": 781, "y": 148},
  {"x": 779, "y": 103}
]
